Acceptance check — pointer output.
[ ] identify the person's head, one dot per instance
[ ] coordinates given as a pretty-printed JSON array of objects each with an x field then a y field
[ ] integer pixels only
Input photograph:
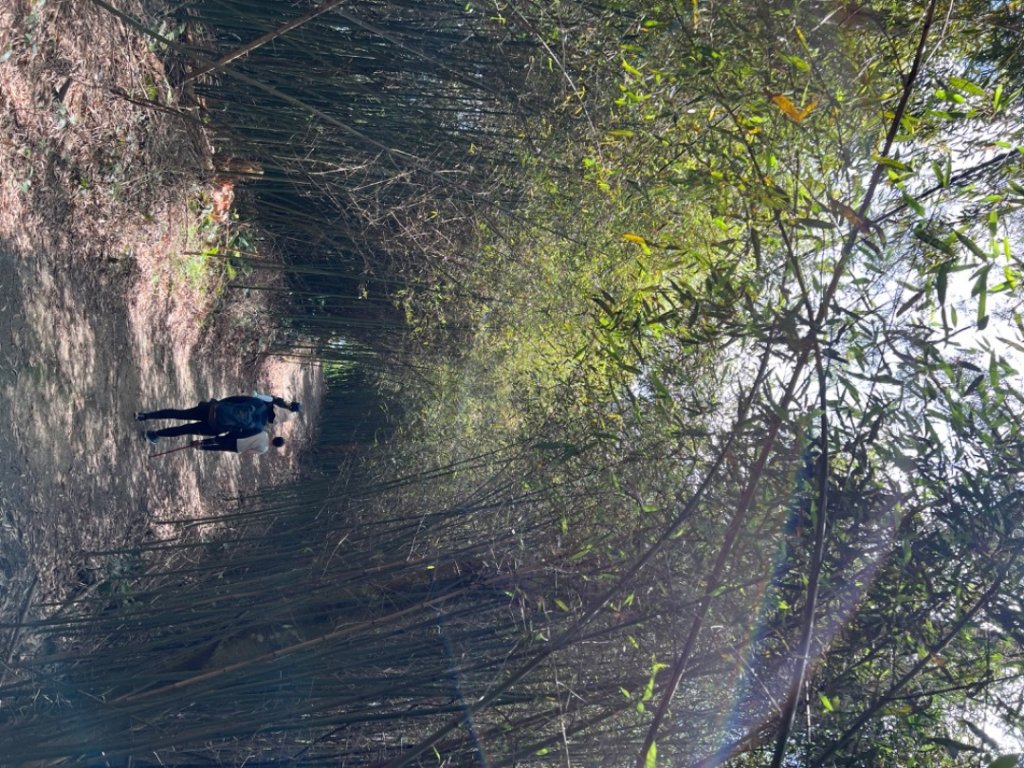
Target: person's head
[{"x": 277, "y": 442}]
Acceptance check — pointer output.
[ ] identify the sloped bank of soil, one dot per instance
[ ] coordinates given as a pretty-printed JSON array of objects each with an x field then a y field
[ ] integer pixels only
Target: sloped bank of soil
[{"x": 100, "y": 195}]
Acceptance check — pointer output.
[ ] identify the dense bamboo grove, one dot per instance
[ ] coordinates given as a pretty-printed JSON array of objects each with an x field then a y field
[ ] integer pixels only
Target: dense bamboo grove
[
  {"x": 389, "y": 123},
  {"x": 663, "y": 426}
]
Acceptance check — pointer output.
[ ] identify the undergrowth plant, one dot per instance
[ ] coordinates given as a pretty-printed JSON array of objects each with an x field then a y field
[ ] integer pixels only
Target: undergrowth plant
[{"x": 215, "y": 249}]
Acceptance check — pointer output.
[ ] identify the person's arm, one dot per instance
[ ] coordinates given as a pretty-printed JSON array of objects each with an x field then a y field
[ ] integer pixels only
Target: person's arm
[{"x": 294, "y": 406}]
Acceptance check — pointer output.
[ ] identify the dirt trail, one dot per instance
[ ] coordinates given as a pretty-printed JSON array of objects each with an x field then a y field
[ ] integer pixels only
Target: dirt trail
[{"x": 99, "y": 197}]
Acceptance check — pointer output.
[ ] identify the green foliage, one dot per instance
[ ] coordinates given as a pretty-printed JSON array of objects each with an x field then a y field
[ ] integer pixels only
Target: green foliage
[{"x": 763, "y": 193}]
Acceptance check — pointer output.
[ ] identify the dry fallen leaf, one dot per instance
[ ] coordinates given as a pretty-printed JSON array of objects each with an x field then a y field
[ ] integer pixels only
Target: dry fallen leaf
[{"x": 223, "y": 196}]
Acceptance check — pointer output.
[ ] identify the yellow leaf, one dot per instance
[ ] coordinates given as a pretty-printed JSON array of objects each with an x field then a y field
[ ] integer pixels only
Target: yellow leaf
[
  {"x": 629, "y": 236},
  {"x": 852, "y": 217},
  {"x": 808, "y": 109},
  {"x": 858, "y": 222},
  {"x": 790, "y": 109},
  {"x": 787, "y": 106}
]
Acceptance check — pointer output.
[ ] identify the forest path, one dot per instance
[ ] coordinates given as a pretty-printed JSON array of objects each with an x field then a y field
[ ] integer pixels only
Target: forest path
[{"x": 99, "y": 198}]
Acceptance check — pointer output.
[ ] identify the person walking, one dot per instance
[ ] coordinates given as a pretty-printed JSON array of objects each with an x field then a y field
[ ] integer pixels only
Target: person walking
[
  {"x": 256, "y": 444},
  {"x": 236, "y": 414},
  {"x": 241, "y": 442}
]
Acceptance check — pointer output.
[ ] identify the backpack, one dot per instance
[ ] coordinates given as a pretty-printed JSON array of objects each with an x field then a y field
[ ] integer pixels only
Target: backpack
[{"x": 239, "y": 414}]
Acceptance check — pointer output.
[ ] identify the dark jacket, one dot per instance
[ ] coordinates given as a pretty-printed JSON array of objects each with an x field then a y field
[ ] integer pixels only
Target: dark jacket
[{"x": 241, "y": 413}]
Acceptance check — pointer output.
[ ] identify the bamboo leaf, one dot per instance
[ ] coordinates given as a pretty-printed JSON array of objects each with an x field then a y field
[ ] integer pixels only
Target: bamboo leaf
[
  {"x": 651, "y": 758},
  {"x": 941, "y": 174},
  {"x": 639, "y": 240},
  {"x": 853, "y": 218},
  {"x": 631, "y": 69},
  {"x": 925, "y": 236},
  {"x": 794, "y": 113},
  {"x": 971, "y": 246},
  {"x": 891, "y": 162},
  {"x": 913, "y": 204},
  {"x": 966, "y": 86},
  {"x": 981, "y": 291},
  {"x": 1010, "y": 342},
  {"x": 799, "y": 63},
  {"x": 909, "y": 303}
]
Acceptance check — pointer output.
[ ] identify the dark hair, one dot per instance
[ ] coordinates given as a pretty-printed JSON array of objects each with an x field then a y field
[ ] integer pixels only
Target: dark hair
[{"x": 277, "y": 442}]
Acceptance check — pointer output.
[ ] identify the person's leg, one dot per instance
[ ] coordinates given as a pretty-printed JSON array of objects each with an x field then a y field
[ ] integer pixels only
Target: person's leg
[
  {"x": 193, "y": 428},
  {"x": 200, "y": 413}
]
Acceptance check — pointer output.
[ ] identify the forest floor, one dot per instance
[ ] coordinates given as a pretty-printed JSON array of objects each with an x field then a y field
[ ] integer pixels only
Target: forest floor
[{"x": 103, "y": 312}]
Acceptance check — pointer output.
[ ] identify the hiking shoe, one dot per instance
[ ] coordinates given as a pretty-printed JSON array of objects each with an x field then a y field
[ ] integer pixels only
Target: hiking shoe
[
  {"x": 152, "y": 437},
  {"x": 141, "y": 416}
]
